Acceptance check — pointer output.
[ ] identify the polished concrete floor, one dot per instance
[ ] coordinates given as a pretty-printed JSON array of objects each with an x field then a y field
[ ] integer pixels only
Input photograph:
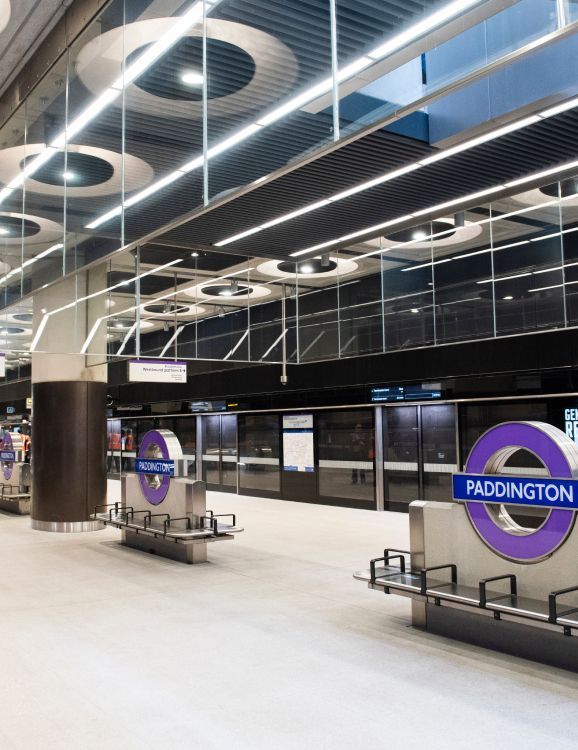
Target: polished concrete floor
[{"x": 272, "y": 645}]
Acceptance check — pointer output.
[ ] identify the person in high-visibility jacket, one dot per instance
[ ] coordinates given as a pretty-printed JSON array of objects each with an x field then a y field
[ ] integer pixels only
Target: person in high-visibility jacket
[{"x": 114, "y": 445}]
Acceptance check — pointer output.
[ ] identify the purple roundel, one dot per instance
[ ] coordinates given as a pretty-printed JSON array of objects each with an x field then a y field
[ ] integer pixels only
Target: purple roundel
[
  {"x": 155, "y": 440},
  {"x": 560, "y": 457}
]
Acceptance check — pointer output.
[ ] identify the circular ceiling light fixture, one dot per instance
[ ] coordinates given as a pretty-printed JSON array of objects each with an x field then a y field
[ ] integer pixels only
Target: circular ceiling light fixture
[
  {"x": 233, "y": 292},
  {"x": 94, "y": 171},
  {"x": 322, "y": 267},
  {"x": 7, "y": 330},
  {"x": 168, "y": 310},
  {"x": 124, "y": 324},
  {"x": 262, "y": 63},
  {"x": 192, "y": 78},
  {"x": 449, "y": 235},
  {"x": 12, "y": 226},
  {"x": 35, "y": 230}
]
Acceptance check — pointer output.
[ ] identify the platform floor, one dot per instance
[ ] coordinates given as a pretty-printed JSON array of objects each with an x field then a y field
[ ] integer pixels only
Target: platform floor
[{"x": 270, "y": 646}]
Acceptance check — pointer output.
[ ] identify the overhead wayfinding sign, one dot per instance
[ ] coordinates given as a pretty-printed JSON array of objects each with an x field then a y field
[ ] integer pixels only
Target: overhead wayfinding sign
[
  {"x": 155, "y": 371},
  {"x": 534, "y": 491},
  {"x": 164, "y": 468}
]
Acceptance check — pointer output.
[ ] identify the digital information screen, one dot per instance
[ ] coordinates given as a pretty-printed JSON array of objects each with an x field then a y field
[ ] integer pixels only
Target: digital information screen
[
  {"x": 387, "y": 394},
  {"x": 423, "y": 392}
]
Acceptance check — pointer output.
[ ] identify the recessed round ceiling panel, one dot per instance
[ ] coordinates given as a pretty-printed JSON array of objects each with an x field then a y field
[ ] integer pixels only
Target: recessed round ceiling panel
[
  {"x": 165, "y": 311},
  {"x": 123, "y": 325},
  {"x": 308, "y": 269},
  {"x": 265, "y": 68},
  {"x": 5, "y": 11},
  {"x": 36, "y": 230},
  {"x": 83, "y": 172},
  {"x": 452, "y": 235},
  {"x": 568, "y": 191},
  {"x": 224, "y": 292},
  {"x": 8, "y": 329},
  {"x": 17, "y": 318},
  {"x": 178, "y": 74}
]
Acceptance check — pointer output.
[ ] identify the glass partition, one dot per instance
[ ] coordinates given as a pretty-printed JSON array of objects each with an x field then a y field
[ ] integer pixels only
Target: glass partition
[
  {"x": 346, "y": 456},
  {"x": 160, "y": 109},
  {"x": 401, "y": 457},
  {"x": 259, "y": 471},
  {"x": 439, "y": 450}
]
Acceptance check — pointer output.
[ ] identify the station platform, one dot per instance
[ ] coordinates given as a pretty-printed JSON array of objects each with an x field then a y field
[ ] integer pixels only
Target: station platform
[{"x": 271, "y": 644}]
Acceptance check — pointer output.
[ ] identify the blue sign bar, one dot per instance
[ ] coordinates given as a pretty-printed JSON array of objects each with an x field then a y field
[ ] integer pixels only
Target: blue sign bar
[
  {"x": 7, "y": 456},
  {"x": 154, "y": 466},
  {"x": 536, "y": 491}
]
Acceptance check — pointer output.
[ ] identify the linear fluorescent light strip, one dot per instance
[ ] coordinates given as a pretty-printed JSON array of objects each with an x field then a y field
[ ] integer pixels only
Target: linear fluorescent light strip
[
  {"x": 238, "y": 344},
  {"x": 392, "y": 222},
  {"x": 274, "y": 344},
  {"x": 179, "y": 29},
  {"x": 30, "y": 261},
  {"x": 388, "y": 176},
  {"x": 171, "y": 340},
  {"x": 528, "y": 273},
  {"x": 416, "y": 31},
  {"x": 441, "y": 207},
  {"x": 115, "y": 286},
  {"x": 44, "y": 320},
  {"x": 129, "y": 333},
  {"x": 117, "y": 313},
  {"x": 555, "y": 286}
]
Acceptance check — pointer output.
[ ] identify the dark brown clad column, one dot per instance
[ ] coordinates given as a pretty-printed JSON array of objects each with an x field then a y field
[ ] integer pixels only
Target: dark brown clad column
[
  {"x": 69, "y": 375},
  {"x": 69, "y": 454}
]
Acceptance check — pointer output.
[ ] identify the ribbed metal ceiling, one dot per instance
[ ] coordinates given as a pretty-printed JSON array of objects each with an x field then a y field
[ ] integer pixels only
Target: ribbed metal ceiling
[{"x": 545, "y": 144}]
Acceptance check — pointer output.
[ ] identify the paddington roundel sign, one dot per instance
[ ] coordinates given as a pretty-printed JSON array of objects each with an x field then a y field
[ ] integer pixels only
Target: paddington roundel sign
[
  {"x": 155, "y": 463},
  {"x": 484, "y": 486}
]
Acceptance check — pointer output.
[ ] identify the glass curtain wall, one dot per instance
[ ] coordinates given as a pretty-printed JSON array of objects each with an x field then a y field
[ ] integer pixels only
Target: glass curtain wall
[
  {"x": 160, "y": 108},
  {"x": 495, "y": 269}
]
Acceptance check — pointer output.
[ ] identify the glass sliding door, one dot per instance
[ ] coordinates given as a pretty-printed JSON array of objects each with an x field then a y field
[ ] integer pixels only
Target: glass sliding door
[
  {"x": 401, "y": 483},
  {"x": 346, "y": 457},
  {"x": 438, "y": 424},
  {"x": 220, "y": 452},
  {"x": 259, "y": 454},
  {"x": 229, "y": 453},
  {"x": 212, "y": 451}
]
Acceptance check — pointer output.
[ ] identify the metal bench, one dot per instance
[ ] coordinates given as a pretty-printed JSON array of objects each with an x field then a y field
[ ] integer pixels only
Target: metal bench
[
  {"x": 418, "y": 584},
  {"x": 145, "y": 522}
]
